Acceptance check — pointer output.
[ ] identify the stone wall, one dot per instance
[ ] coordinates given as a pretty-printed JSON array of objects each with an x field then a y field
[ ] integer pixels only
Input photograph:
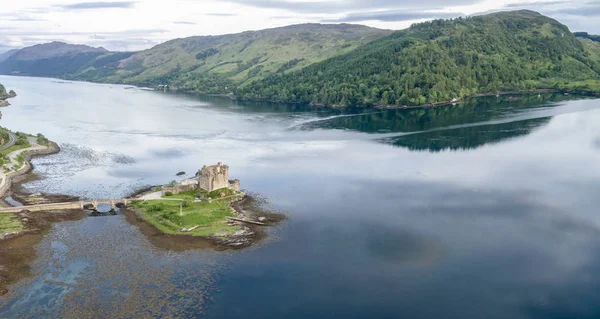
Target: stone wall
[
  {"x": 235, "y": 185},
  {"x": 178, "y": 188}
]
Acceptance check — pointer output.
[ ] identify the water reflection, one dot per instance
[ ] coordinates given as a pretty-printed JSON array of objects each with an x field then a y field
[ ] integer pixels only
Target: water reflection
[
  {"x": 502, "y": 224},
  {"x": 467, "y": 137}
]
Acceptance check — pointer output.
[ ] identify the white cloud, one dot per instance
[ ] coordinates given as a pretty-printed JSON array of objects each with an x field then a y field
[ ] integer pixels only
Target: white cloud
[{"x": 139, "y": 24}]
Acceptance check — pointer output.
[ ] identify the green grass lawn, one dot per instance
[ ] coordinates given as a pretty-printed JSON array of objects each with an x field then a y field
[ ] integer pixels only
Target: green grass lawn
[
  {"x": 165, "y": 215},
  {"x": 9, "y": 226},
  {"x": 200, "y": 193}
]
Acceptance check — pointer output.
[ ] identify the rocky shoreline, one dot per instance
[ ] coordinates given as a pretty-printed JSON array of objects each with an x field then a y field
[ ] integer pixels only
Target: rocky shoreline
[{"x": 3, "y": 99}]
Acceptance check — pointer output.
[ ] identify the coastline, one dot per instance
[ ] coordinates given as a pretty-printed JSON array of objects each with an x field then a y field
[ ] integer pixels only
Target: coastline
[
  {"x": 233, "y": 97},
  {"x": 4, "y": 100}
]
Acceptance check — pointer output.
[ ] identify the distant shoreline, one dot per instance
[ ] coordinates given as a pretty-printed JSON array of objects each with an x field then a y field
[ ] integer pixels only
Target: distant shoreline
[{"x": 396, "y": 107}]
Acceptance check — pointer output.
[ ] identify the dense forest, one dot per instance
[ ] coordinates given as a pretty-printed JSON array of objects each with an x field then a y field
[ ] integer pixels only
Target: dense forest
[{"x": 442, "y": 60}]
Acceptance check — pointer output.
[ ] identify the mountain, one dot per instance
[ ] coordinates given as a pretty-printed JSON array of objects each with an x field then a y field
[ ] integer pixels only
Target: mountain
[
  {"x": 55, "y": 59},
  {"x": 443, "y": 60},
  {"x": 213, "y": 64},
  {"x": 52, "y": 50},
  {"x": 585, "y": 35},
  {"x": 345, "y": 65},
  {"x": 7, "y": 54}
]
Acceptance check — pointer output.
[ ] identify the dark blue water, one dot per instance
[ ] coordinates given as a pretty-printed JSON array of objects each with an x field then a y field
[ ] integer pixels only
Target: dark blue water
[{"x": 482, "y": 210}]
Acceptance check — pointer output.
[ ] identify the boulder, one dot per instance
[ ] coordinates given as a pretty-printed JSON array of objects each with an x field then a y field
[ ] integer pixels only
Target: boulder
[{"x": 262, "y": 219}]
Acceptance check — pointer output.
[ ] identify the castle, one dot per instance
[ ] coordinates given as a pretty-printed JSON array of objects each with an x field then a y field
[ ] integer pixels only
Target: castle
[
  {"x": 209, "y": 178},
  {"x": 215, "y": 177}
]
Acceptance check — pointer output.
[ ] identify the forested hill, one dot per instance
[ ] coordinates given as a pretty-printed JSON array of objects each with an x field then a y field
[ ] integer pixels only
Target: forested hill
[
  {"x": 442, "y": 60},
  {"x": 214, "y": 64}
]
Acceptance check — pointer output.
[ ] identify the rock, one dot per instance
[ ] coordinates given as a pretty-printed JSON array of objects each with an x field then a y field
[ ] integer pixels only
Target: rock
[
  {"x": 262, "y": 219},
  {"x": 187, "y": 230}
]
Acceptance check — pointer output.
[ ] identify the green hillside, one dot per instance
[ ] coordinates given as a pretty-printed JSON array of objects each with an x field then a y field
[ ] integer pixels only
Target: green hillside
[
  {"x": 442, "y": 60},
  {"x": 218, "y": 63}
]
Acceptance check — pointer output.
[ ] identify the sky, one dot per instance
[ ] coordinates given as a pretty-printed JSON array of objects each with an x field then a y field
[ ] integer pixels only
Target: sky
[{"x": 128, "y": 25}]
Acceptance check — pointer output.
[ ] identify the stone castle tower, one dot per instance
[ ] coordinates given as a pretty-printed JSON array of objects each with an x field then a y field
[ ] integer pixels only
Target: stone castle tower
[{"x": 216, "y": 177}]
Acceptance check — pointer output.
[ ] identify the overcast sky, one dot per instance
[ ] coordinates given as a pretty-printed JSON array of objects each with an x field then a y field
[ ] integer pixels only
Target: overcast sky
[{"x": 139, "y": 24}]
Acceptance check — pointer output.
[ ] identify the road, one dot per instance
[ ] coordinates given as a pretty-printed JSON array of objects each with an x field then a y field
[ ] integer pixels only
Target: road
[{"x": 12, "y": 139}]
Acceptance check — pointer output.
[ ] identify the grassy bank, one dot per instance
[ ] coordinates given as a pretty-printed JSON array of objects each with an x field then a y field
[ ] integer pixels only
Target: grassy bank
[{"x": 209, "y": 217}]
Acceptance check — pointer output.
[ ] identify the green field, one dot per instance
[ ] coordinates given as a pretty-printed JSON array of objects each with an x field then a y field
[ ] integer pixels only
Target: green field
[{"x": 211, "y": 217}]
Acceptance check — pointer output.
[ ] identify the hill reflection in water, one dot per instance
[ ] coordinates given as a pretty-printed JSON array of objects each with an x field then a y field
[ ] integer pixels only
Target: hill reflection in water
[{"x": 467, "y": 125}]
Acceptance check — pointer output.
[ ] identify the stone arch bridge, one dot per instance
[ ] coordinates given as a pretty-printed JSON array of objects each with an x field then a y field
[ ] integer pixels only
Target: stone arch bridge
[{"x": 90, "y": 204}]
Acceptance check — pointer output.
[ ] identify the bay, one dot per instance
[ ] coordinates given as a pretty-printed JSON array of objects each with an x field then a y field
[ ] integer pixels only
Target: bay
[{"x": 486, "y": 209}]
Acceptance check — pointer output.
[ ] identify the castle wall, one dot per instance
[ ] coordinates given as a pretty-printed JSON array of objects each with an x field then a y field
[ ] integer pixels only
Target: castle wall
[
  {"x": 235, "y": 185},
  {"x": 178, "y": 188},
  {"x": 214, "y": 177}
]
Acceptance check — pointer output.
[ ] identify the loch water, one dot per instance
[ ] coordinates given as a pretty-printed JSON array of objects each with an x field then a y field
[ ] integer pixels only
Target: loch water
[{"x": 485, "y": 209}]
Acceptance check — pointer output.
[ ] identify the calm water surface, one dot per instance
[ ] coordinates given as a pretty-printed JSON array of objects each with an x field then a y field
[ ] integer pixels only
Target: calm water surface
[{"x": 487, "y": 209}]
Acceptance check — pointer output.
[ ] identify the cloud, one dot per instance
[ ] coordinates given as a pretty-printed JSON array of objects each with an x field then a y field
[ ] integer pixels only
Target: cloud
[
  {"x": 98, "y": 5},
  {"x": 25, "y": 19},
  {"x": 221, "y": 14},
  {"x": 534, "y": 3},
  {"x": 394, "y": 15},
  {"x": 584, "y": 11},
  {"x": 337, "y": 7},
  {"x": 184, "y": 22}
]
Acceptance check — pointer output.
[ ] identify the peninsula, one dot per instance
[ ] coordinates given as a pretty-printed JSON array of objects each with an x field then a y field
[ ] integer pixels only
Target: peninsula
[{"x": 16, "y": 150}]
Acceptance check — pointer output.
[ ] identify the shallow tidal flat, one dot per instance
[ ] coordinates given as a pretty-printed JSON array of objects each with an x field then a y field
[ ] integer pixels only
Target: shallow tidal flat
[{"x": 130, "y": 276}]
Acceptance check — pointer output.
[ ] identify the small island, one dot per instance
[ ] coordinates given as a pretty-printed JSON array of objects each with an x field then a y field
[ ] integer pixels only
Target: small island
[
  {"x": 5, "y": 95},
  {"x": 203, "y": 206}
]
